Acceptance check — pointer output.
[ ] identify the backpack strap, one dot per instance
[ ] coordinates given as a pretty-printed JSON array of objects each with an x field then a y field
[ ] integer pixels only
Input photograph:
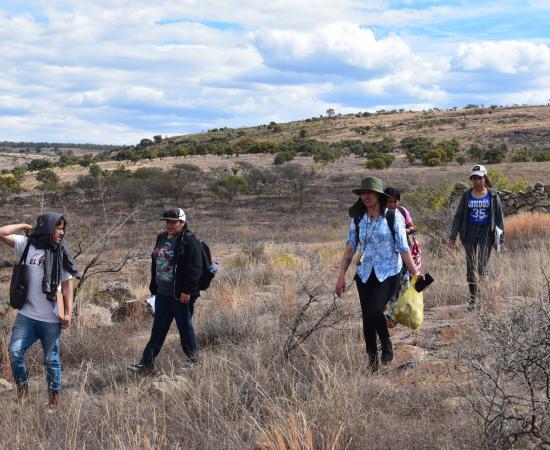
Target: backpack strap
[
  {"x": 25, "y": 252},
  {"x": 402, "y": 211},
  {"x": 390, "y": 218},
  {"x": 356, "y": 221}
]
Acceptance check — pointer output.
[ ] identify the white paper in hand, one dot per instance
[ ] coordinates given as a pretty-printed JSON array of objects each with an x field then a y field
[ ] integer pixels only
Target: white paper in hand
[
  {"x": 498, "y": 236},
  {"x": 151, "y": 303}
]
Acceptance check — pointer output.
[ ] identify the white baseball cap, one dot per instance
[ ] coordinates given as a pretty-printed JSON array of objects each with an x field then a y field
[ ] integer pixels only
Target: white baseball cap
[
  {"x": 478, "y": 170},
  {"x": 173, "y": 214}
]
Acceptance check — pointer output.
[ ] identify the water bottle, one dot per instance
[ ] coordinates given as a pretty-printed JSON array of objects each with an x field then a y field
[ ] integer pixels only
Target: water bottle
[{"x": 214, "y": 267}]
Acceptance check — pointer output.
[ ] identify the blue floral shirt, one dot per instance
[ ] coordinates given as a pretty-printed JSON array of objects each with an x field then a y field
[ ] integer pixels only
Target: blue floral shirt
[{"x": 377, "y": 246}]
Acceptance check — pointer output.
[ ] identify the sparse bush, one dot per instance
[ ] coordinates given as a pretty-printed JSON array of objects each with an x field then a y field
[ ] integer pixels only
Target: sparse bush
[
  {"x": 509, "y": 368},
  {"x": 502, "y": 183},
  {"x": 379, "y": 161},
  {"x": 48, "y": 178},
  {"x": 9, "y": 184},
  {"x": 229, "y": 186},
  {"x": 283, "y": 157},
  {"x": 542, "y": 156}
]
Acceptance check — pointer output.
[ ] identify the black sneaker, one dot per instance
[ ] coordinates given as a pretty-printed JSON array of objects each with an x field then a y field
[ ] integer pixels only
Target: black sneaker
[
  {"x": 387, "y": 351},
  {"x": 141, "y": 368}
]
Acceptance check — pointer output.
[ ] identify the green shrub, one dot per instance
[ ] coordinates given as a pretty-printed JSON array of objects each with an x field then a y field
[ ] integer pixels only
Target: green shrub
[
  {"x": 379, "y": 161},
  {"x": 47, "y": 177},
  {"x": 501, "y": 182},
  {"x": 521, "y": 156},
  {"x": 9, "y": 184},
  {"x": 542, "y": 156},
  {"x": 229, "y": 186},
  {"x": 283, "y": 157}
]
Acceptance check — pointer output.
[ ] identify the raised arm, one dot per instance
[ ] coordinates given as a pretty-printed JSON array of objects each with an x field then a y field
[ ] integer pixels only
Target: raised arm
[{"x": 7, "y": 232}]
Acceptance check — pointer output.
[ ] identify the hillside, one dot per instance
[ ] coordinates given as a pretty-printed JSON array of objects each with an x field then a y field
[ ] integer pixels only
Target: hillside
[{"x": 515, "y": 126}]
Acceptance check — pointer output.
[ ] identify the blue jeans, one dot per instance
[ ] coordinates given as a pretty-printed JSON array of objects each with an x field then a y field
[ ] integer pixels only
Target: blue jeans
[
  {"x": 27, "y": 331},
  {"x": 168, "y": 308}
]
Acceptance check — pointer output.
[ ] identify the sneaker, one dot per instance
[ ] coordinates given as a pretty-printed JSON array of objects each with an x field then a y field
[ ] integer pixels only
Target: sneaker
[
  {"x": 187, "y": 366},
  {"x": 141, "y": 368},
  {"x": 387, "y": 351},
  {"x": 372, "y": 364},
  {"x": 53, "y": 401}
]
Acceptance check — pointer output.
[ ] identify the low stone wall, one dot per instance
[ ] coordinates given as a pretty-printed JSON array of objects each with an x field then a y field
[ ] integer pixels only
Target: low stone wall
[{"x": 536, "y": 199}]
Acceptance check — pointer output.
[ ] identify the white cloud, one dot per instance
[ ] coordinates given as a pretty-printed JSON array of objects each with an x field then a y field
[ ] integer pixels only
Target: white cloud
[
  {"x": 107, "y": 71},
  {"x": 510, "y": 57}
]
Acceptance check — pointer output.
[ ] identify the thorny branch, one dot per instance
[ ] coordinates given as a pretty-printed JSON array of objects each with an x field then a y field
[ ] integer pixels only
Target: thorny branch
[{"x": 320, "y": 310}]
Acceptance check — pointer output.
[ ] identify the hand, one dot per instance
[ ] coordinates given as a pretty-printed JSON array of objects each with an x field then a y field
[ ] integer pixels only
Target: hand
[
  {"x": 184, "y": 298},
  {"x": 452, "y": 244},
  {"x": 419, "y": 275},
  {"x": 66, "y": 321},
  {"x": 27, "y": 229},
  {"x": 340, "y": 285}
]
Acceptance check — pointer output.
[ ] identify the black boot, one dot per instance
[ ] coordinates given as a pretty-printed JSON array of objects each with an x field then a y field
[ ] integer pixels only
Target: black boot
[
  {"x": 372, "y": 362},
  {"x": 387, "y": 350}
]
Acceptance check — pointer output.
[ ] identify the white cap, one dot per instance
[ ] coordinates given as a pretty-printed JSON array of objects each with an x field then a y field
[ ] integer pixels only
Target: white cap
[
  {"x": 478, "y": 170},
  {"x": 174, "y": 214}
]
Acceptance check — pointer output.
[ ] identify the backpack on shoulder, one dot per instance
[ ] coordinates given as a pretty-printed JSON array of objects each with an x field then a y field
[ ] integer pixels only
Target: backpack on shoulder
[{"x": 208, "y": 267}]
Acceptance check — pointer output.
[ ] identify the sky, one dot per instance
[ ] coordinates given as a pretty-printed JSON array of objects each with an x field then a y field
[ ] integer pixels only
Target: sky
[{"x": 117, "y": 71}]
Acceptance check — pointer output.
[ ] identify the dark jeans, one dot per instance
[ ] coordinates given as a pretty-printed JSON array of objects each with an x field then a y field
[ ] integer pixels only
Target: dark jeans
[
  {"x": 478, "y": 247},
  {"x": 373, "y": 296},
  {"x": 167, "y": 309}
]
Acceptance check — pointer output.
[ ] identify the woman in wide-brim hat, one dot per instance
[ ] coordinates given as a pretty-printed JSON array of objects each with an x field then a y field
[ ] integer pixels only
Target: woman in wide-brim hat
[{"x": 382, "y": 256}]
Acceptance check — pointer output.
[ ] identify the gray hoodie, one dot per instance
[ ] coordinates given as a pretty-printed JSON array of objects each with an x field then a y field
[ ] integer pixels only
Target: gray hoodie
[{"x": 460, "y": 220}]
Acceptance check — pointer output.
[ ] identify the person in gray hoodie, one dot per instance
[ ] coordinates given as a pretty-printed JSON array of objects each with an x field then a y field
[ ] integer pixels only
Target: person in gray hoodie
[
  {"x": 477, "y": 216},
  {"x": 50, "y": 269}
]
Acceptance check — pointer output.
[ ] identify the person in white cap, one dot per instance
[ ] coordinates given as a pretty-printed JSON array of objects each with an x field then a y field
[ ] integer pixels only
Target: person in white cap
[
  {"x": 176, "y": 268},
  {"x": 478, "y": 214}
]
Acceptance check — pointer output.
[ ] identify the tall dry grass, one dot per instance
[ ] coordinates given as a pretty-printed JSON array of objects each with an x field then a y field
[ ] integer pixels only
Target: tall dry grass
[{"x": 526, "y": 225}]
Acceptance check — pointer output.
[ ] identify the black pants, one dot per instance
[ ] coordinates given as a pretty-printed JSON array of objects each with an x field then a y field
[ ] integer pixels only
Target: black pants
[
  {"x": 479, "y": 242},
  {"x": 373, "y": 296},
  {"x": 166, "y": 310}
]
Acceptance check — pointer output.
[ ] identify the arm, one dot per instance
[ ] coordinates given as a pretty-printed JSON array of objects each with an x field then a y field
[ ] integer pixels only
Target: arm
[
  {"x": 457, "y": 220},
  {"x": 409, "y": 262},
  {"x": 191, "y": 267},
  {"x": 344, "y": 264},
  {"x": 7, "y": 232},
  {"x": 67, "y": 290}
]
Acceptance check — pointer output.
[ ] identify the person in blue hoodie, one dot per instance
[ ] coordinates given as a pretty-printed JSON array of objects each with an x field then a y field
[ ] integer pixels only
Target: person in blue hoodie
[{"x": 51, "y": 268}]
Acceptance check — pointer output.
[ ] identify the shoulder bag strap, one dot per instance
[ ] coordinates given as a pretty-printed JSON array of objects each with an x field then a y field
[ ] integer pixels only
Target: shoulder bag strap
[{"x": 25, "y": 252}]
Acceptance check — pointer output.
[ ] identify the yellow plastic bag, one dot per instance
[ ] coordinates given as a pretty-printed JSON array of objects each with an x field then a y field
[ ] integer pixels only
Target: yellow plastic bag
[{"x": 409, "y": 308}]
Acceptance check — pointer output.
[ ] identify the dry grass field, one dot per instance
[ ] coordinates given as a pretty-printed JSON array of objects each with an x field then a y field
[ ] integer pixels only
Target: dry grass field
[{"x": 244, "y": 393}]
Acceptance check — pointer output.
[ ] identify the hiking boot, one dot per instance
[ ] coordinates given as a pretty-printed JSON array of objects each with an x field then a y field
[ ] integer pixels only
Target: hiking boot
[
  {"x": 141, "y": 368},
  {"x": 22, "y": 392},
  {"x": 187, "y": 366},
  {"x": 53, "y": 401},
  {"x": 387, "y": 351},
  {"x": 372, "y": 365}
]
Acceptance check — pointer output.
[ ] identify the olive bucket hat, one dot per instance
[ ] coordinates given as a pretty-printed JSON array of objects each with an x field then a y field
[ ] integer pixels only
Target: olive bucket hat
[
  {"x": 370, "y": 184},
  {"x": 367, "y": 184}
]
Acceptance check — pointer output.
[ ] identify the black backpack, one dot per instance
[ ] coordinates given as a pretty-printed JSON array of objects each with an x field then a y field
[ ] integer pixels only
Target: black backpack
[
  {"x": 390, "y": 218},
  {"x": 207, "y": 275}
]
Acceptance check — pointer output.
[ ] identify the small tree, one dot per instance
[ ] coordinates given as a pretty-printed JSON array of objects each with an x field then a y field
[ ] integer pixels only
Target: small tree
[{"x": 48, "y": 178}]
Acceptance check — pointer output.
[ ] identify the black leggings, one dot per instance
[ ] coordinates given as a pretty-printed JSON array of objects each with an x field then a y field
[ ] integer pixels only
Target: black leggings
[{"x": 373, "y": 296}]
